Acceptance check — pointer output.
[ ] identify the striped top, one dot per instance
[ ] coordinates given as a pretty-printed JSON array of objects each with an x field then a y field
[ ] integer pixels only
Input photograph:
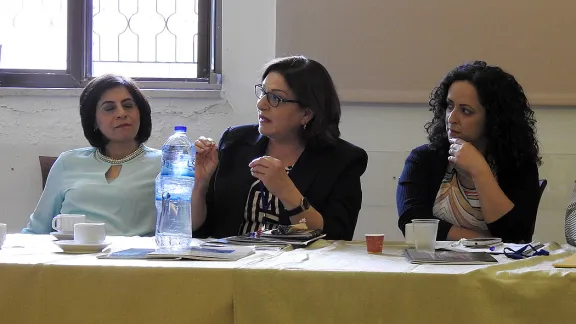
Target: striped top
[
  {"x": 459, "y": 205},
  {"x": 262, "y": 208}
]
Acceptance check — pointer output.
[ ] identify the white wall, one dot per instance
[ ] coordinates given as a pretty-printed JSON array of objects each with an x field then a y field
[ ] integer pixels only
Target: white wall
[
  {"x": 46, "y": 125},
  {"x": 32, "y": 125}
]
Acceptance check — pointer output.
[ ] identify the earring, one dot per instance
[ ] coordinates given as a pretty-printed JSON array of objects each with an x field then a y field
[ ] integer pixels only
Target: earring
[
  {"x": 304, "y": 126},
  {"x": 95, "y": 129}
]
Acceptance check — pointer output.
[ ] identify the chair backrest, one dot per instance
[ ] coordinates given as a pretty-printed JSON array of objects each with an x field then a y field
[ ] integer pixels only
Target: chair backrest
[
  {"x": 542, "y": 185},
  {"x": 46, "y": 163}
]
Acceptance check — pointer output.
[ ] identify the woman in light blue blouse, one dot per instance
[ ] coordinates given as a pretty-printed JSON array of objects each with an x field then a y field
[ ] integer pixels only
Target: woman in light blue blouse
[{"x": 112, "y": 181}]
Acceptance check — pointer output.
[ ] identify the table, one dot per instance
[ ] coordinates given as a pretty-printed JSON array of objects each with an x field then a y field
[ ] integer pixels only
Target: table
[
  {"x": 341, "y": 283},
  {"x": 40, "y": 285},
  {"x": 329, "y": 282}
]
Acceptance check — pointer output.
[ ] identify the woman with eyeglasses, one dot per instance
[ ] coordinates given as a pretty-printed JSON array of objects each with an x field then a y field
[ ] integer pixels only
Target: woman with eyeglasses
[
  {"x": 478, "y": 175},
  {"x": 291, "y": 167}
]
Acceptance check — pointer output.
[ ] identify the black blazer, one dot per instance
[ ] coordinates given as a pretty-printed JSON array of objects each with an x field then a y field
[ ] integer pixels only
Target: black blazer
[
  {"x": 421, "y": 178},
  {"x": 328, "y": 177}
]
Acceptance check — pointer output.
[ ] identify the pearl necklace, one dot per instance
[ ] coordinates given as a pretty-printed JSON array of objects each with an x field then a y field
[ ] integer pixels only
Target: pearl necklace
[{"x": 123, "y": 160}]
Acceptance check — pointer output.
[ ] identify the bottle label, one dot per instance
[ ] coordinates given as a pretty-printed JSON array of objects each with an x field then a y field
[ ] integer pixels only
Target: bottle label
[{"x": 178, "y": 164}]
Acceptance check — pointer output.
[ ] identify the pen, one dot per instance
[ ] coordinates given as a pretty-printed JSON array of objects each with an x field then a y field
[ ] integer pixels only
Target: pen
[{"x": 493, "y": 247}]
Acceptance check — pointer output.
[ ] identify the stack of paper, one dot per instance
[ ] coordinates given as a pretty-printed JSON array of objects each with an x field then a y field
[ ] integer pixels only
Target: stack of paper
[
  {"x": 448, "y": 257},
  {"x": 297, "y": 239}
]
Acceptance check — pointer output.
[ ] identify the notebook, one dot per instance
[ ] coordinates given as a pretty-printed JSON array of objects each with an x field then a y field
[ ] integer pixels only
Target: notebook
[
  {"x": 296, "y": 240},
  {"x": 569, "y": 262},
  {"x": 297, "y": 235},
  {"x": 448, "y": 257},
  {"x": 200, "y": 253}
]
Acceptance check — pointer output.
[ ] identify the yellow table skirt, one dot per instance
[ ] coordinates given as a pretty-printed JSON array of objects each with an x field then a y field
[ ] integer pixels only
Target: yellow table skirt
[
  {"x": 307, "y": 289},
  {"x": 98, "y": 294},
  {"x": 40, "y": 285},
  {"x": 329, "y": 282}
]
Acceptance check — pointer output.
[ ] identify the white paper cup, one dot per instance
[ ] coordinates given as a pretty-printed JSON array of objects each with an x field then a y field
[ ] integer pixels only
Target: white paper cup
[
  {"x": 2, "y": 233},
  {"x": 425, "y": 231},
  {"x": 409, "y": 233}
]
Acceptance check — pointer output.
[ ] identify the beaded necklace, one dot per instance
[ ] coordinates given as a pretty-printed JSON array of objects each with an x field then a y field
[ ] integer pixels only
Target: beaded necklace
[{"x": 123, "y": 160}]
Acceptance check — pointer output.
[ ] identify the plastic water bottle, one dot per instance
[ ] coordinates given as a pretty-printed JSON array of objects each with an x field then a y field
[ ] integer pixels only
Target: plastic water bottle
[{"x": 174, "y": 186}]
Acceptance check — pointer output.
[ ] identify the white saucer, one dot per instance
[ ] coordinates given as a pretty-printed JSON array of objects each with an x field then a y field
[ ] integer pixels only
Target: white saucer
[
  {"x": 63, "y": 236},
  {"x": 74, "y": 247}
]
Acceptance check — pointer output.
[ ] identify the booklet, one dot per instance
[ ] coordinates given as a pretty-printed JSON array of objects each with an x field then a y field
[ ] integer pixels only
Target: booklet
[
  {"x": 201, "y": 253},
  {"x": 267, "y": 238},
  {"x": 293, "y": 235},
  {"x": 569, "y": 262},
  {"x": 448, "y": 257}
]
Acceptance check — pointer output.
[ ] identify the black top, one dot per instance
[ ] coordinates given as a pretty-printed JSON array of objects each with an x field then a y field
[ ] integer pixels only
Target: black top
[
  {"x": 421, "y": 178},
  {"x": 329, "y": 177}
]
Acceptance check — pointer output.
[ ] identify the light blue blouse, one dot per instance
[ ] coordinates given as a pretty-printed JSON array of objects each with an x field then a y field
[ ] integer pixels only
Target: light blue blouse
[{"x": 77, "y": 185}]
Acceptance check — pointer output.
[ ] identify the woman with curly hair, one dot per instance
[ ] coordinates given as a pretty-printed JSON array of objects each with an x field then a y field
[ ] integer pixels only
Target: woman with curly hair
[{"x": 479, "y": 173}]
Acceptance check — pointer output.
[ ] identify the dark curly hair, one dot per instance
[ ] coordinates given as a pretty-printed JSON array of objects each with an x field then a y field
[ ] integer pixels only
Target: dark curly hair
[
  {"x": 314, "y": 88},
  {"x": 510, "y": 126}
]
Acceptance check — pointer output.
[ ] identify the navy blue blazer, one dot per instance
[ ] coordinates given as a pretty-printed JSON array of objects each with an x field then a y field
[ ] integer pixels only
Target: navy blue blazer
[{"x": 328, "y": 177}]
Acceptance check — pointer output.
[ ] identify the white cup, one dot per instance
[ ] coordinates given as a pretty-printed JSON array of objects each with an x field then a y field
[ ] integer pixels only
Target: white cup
[
  {"x": 409, "y": 233},
  {"x": 425, "y": 231},
  {"x": 64, "y": 223},
  {"x": 89, "y": 233},
  {"x": 2, "y": 233}
]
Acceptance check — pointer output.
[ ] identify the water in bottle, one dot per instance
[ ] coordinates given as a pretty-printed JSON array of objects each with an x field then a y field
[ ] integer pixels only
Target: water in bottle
[{"x": 174, "y": 186}]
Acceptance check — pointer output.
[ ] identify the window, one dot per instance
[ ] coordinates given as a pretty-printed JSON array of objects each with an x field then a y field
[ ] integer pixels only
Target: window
[{"x": 64, "y": 43}]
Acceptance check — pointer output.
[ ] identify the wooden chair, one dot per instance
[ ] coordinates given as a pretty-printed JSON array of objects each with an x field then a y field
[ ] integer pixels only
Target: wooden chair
[{"x": 46, "y": 163}]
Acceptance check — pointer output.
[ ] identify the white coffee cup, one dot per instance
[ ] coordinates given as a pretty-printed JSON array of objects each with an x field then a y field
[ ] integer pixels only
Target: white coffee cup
[
  {"x": 2, "y": 233},
  {"x": 89, "y": 233},
  {"x": 64, "y": 223}
]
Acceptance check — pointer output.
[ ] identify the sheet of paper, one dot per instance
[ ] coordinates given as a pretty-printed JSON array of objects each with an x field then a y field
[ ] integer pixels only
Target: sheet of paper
[{"x": 497, "y": 249}]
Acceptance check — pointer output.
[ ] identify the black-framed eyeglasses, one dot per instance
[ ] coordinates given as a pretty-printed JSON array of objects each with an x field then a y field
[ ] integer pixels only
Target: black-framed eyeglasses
[{"x": 273, "y": 99}]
